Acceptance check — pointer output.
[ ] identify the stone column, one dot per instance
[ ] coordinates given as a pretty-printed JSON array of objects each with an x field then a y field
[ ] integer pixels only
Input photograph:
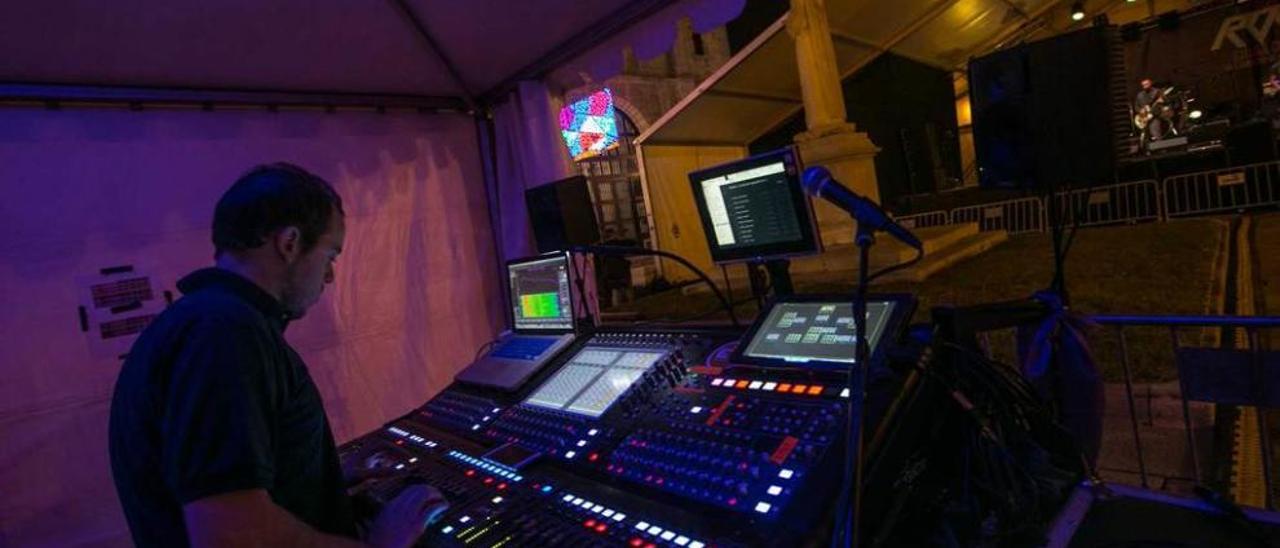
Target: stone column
[{"x": 830, "y": 139}]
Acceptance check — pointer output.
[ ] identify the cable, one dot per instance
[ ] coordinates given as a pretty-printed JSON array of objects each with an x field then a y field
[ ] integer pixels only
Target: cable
[
  {"x": 484, "y": 348},
  {"x": 628, "y": 251},
  {"x": 890, "y": 269}
]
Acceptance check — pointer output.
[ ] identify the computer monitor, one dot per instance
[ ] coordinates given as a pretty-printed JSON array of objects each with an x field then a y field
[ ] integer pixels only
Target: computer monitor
[
  {"x": 541, "y": 299},
  {"x": 818, "y": 331},
  {"x": 755, "y": 209}
]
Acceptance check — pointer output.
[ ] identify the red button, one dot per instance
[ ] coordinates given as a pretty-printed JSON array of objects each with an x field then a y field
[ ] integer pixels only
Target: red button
[
  {"x": 601, "y": 528},
  {"x": 487, "y": 481},
  {"x": 589, "y": 523},
  {"x": 636, "y": 542}
]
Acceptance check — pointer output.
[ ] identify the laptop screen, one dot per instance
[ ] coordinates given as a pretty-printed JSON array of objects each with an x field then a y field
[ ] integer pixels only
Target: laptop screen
[{"x": 540, "y": 296}]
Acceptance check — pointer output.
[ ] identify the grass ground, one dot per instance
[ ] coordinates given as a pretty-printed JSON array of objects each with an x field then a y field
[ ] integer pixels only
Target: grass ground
[{"x": 1155, "y": 268}]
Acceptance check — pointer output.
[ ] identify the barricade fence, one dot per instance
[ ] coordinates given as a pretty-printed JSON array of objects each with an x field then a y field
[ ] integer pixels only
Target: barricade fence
[
  {"x": 1242, "y": 187},
  {"x": 1232, "y": 189}
]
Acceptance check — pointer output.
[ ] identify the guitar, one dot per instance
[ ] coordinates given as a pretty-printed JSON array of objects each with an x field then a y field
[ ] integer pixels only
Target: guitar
[{"x": 1144, "y": 113}]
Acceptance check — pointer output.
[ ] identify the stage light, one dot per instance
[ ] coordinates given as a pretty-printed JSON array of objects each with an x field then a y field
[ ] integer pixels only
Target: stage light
[
  {"x": 1195, "y": 114},
  {"x": 1077, "y": 11}
]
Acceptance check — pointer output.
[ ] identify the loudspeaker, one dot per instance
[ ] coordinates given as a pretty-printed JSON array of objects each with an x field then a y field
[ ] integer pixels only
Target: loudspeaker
[
  {"x": 1042, "y": 112},
  {"x": 562, "y": 214}
]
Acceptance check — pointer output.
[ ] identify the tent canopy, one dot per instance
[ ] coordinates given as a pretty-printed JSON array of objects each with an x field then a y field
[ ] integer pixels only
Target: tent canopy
[{"x": 457, "y": 52}]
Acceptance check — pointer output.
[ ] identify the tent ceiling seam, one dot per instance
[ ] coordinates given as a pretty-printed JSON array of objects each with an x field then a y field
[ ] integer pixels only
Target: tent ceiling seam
[{"x": 407, "y": 12}]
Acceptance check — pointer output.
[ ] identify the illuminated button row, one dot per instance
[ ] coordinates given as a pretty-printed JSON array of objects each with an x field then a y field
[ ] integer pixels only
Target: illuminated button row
[
  {"x": 588, "y": 506},
  {"x": 668, "y": 535},
  {"x": 400, "y": 432},
  {"x": 486, "y": 466},
  {"x": 608, "y": 514},
  {"x": 770, "y": 386}
]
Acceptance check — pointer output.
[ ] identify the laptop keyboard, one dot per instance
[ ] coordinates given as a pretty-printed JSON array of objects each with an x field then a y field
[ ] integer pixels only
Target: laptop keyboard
[{"x": 520, "y": 348}]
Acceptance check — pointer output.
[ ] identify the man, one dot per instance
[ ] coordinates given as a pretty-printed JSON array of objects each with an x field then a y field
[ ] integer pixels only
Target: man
[
  {"x": 1146, "y": 106},
  {"x": 218, "y": 436}
]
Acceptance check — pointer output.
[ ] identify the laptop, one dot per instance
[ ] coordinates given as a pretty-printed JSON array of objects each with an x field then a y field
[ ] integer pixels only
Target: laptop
[{"x": 541, "y": 306}]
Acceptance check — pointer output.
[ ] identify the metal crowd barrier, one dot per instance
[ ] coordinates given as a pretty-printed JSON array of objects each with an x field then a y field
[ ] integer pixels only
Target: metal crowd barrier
[
  {"x": 1227, "y": 189},
  {"x": 1233, "y": 377},
  {"x": 1013, "y": 216},
  {"x": 1230, "y": 189},
  {"x": 924, "y": 220},
  {"x": 1133, "y": 202}
]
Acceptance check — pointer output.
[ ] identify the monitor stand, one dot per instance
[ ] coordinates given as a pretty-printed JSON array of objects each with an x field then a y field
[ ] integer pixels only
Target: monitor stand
[{"x": 779, "y": 271}]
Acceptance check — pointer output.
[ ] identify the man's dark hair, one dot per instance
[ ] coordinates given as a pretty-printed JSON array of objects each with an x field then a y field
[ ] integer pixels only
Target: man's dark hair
[{"x": 268, "y": 198}]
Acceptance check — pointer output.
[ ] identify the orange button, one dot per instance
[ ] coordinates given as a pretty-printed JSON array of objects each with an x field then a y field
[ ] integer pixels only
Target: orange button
[
  {"x": 815, "y": 390},
  {"x": 799, "y": 388},
  {"x": 741, "y": 384},
  {"x": 784, "y": 387}
]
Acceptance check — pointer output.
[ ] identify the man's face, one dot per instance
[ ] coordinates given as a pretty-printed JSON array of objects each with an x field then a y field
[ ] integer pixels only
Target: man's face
[
  {"x": 1146, "y": 84},
  {"x": 307, "y": 276}
]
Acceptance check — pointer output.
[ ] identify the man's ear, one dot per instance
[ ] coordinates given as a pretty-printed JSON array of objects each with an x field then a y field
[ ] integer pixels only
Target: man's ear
[{"x": 288, "y": 243}]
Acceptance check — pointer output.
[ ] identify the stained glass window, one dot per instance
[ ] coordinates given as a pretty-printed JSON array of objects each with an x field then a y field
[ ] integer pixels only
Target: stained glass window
[{"x": 588, "y": 125}]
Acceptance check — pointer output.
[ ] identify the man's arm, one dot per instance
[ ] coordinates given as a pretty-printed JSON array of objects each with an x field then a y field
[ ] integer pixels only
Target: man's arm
[{"x": 251, "y": 518}]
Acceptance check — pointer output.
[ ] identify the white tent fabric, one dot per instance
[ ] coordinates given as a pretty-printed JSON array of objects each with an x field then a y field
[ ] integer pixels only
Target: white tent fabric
[{"x": 416, "y": 290}]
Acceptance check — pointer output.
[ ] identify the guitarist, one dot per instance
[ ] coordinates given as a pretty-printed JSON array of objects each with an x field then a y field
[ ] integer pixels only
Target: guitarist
[{"x": 1145, "y": 105}]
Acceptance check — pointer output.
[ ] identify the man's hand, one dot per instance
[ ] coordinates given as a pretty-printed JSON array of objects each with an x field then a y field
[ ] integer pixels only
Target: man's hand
[
  {"x": 406, "y": 517},
  {"x": 356, "y": 469}
]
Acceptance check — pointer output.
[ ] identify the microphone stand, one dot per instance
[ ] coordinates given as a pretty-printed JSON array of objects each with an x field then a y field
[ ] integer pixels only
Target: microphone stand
[{"x": 850, "y": 515}]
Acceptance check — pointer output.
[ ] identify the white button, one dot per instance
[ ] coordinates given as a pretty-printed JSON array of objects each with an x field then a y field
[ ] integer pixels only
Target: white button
[
  {"x": 770, "y": 385},
  {"x": 577, "y": 502},
  {"x": 497, "y": 500},
  {"x": 682, "y": 540},
  {"x": 464, "y": 519},
  {"x": 668, "y": 536},
  {"x": 570, "y": 454},
  {"x": 592, "y": 432},
  {"x": 763, "y": 507},
  {"x": 755, "y": 385},
  {"x": 447, "y": 529},
  {"x": 786, "y": 473},
  {"x": 582, "y": 443},
  {"x": 642, "y": 525},
  {"x": 696, "y": 544},
  {"x": 696, "y": 409},
  {"x": 568, "y": 498},
  {"x": 608, "y": 513},
  {"x": 619, "y": 517},
  {"x": 775, "y": 490},
  {"x": 717, "y": 382},
  {"x": 844, "y": 393},
  {"x": 597, "y": 509},
  {"x": 655, "y": 530}
]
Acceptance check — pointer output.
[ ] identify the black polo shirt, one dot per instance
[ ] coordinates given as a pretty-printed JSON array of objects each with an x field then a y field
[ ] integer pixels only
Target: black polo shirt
[{"x": 212, "y": 399}]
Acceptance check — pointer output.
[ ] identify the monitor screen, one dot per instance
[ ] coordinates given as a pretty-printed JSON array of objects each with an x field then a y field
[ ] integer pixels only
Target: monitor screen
[
  {"x": 540, "y": 295},
  {"x": 593, "y": 380},
  {"x": 755, "y": 208},
  {"x": 803, "y": 332}
]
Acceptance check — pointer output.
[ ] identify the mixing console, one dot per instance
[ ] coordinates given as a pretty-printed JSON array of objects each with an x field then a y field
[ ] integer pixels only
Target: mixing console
[{"x": 629, "y": 439}]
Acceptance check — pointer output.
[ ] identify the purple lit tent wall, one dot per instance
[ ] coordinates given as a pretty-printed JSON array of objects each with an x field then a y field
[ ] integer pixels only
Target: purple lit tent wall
[{"x": 117, "y": 154}]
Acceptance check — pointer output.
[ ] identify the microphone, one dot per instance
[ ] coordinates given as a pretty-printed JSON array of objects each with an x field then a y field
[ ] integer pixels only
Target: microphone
[{"x": 817, "y": 182}]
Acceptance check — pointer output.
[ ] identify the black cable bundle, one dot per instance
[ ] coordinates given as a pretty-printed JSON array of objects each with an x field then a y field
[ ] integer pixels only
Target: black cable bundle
[{"x": 994, "y": 467}]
